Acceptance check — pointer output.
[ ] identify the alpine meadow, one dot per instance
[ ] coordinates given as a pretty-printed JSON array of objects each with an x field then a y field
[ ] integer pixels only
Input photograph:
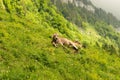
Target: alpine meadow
[{"x": 26, "y": 33}]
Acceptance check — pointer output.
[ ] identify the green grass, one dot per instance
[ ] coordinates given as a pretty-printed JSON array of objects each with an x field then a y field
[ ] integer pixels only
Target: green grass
[{"x": 26, "y": 52}]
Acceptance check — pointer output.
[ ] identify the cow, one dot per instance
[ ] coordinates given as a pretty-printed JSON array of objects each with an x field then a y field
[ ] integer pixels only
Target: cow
[{"x": 64, "y": 41}]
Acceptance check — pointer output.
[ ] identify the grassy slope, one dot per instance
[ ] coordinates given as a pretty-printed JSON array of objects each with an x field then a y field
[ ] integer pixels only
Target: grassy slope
[{"x": 26, "y": 51}]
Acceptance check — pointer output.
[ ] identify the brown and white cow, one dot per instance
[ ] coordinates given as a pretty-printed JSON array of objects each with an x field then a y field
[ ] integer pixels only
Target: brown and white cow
[{"x": 64, "y": 41}]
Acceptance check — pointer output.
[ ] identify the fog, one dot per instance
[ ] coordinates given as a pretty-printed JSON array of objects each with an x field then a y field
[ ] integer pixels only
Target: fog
[{"x": 112, "y": 6}]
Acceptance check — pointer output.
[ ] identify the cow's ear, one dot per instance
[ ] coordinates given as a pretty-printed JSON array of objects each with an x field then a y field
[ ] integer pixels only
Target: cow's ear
[{"x": 56, "y": 34}]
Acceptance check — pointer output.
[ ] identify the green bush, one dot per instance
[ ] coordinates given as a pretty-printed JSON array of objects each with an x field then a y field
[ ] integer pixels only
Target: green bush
[{"x": 110, "y": 48}]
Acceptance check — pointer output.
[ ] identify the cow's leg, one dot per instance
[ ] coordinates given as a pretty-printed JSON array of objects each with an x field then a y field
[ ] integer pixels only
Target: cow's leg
[{"x": 55, "y": 44}]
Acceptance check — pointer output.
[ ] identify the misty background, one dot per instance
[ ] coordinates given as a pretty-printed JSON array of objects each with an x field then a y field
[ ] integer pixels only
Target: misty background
[{"x": 112, "y": 6}]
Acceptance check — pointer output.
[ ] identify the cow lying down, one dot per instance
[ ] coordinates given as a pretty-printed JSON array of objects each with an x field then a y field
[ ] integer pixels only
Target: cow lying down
[{"x": 64, "y": 41}]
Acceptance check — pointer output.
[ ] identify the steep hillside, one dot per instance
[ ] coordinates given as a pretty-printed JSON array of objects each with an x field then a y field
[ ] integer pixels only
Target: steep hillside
[
  {"x": 81, "y": 12},
  {"x": 26, "y": 52}
]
